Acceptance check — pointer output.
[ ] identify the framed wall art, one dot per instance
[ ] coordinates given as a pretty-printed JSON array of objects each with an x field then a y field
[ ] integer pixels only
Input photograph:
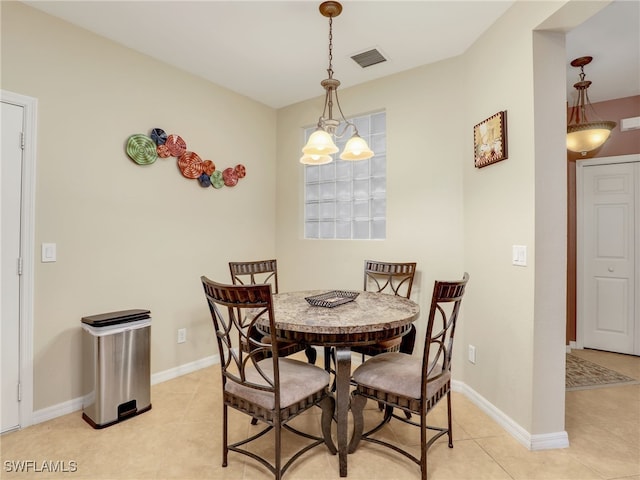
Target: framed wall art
[{"x": 490, "y": 140}]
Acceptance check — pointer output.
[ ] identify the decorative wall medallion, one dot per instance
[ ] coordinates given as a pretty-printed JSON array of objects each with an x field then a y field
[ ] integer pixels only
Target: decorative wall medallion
[
  {"x": 159, "y": 136},
  {"x": 141, "y": 149},
  {"x": 177, "y": 146},
  {"x": 145, "y": 149}
]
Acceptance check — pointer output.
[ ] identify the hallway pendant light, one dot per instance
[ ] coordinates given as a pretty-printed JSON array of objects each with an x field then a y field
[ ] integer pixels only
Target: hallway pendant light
[
  {"x": 584, "y": 135},
  {"x": 320, "y": 145}
]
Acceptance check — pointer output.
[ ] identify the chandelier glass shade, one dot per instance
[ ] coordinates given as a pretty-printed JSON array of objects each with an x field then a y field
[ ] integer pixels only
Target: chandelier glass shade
[
  {"x": 316, "y": 159},
  {"x": 320, "y": 145},
  {"x": 356, "y": 149},
  {"x": 584, "y": 135},
  {"x": 588, "y": 136}
]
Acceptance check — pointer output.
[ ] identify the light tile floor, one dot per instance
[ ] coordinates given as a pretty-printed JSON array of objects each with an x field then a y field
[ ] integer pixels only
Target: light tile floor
[{"x": 179, "y": 438}]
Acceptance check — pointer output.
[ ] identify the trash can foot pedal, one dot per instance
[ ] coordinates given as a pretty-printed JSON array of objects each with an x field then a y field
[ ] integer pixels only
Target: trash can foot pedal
[{"x": 127, "y": 409}]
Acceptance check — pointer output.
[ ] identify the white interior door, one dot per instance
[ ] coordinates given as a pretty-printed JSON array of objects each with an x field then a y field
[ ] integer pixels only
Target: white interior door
[
  {"x": 609, "y": 235},
  {"x": 10, "y": 184}
]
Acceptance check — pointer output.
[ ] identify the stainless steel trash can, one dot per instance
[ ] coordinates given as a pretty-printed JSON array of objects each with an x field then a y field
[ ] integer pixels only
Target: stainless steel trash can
[{"x": 116, "y": 370}]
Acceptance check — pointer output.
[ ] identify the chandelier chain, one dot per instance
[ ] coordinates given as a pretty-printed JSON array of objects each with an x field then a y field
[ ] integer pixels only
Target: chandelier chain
[{"x": 330, "y": 70}]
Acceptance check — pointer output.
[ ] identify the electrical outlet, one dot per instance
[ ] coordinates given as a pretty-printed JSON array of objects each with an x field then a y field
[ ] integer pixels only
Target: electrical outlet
[
  {"x": 472, "y": 354},
  {"x": 182, "y": 335}
]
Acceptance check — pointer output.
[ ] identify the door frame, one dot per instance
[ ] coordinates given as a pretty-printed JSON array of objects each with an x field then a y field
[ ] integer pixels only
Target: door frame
[
  {"x": 27, "y": 247},
  {"x": 580, "y": 164}
]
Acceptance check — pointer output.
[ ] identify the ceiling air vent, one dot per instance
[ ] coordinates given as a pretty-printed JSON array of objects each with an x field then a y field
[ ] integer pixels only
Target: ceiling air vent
[{"x": 368, "y": 58}]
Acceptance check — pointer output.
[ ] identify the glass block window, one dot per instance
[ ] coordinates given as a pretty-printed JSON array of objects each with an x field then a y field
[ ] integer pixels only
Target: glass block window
[{"x": 348, "y": 199}]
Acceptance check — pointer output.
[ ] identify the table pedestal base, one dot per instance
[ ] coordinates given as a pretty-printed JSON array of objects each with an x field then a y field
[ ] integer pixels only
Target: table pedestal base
[{"x": 343, "y": 377}]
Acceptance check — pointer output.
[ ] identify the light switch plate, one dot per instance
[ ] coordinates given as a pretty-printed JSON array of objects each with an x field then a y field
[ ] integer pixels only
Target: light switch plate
[
  {"x": 519, "y": 256},
  {"x": 48, "y": 252},
  {"x": 472, "y": 354}
]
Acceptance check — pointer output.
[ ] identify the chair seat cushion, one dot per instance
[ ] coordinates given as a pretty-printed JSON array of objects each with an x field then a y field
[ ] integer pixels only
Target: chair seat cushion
[
  {"x": 298, "y": 380},
  {"x": 392, "y": 344},
  {"x": 285, "y": 348},
  {"x": 399, "y": 374}
]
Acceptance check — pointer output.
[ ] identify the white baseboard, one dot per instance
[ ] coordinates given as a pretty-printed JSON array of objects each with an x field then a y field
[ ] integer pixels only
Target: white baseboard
[
  {"x": 549, "y": 441},
  {"x": 56, "y": 411},
  {"x": 184, "y": 369},
  {"x": 75, "y": 404},
  {"x": 544, "y": 441}
]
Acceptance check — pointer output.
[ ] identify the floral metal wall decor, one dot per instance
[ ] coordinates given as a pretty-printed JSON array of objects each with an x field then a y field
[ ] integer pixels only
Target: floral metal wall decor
[{"x": 145, "y": 150}]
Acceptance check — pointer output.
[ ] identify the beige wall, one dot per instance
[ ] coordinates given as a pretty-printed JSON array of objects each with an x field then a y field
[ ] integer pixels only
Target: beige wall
[
  {"x": 442, "y": 212},
  {"x": 130, "y": 236},
  {"x": 498, "y": 212}
]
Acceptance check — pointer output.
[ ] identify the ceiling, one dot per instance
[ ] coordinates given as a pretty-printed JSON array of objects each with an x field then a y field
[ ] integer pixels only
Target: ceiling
[
  {"x": 612, "y": 38},
  {"x": 276, "y": 52}
]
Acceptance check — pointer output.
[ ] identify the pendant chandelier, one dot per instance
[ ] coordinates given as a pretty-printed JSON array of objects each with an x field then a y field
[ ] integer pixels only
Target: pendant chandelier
[
  {"x": 584, "y": 135},
  {"x": 320, "y": 145}
]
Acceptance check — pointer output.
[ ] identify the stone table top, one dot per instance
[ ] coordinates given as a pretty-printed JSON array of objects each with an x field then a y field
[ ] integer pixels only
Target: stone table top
[{"x": 368, "y": 318}]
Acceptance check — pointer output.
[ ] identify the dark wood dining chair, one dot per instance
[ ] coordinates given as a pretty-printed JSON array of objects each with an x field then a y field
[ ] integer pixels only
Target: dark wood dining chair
[
  {"x": 257, "y": 381},
  {"x": 266, "y": 272},
  {"x": 410, "y": 383},
  {"x": 394, "y": 279}
]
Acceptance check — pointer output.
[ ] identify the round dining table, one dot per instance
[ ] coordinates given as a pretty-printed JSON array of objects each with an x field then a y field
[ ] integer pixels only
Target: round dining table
[{"x": 366, "y": 319}]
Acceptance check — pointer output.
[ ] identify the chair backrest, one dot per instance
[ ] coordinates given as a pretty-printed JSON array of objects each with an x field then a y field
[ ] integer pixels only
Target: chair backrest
[
  {"x": 255, "y": 272},
  {"x": 392, "y": 278},
  {"x": 441, "y": 327},
  {"x": 245, "y": 305}
]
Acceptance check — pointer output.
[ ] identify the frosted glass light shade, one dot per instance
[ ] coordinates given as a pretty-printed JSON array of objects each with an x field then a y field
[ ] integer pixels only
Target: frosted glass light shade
[
  {"x": 588, "y": 136},
  {"x": 320, "y": 143},
  {"x": 356, "y": 149},
  {"x": 316, "y": 159}
]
